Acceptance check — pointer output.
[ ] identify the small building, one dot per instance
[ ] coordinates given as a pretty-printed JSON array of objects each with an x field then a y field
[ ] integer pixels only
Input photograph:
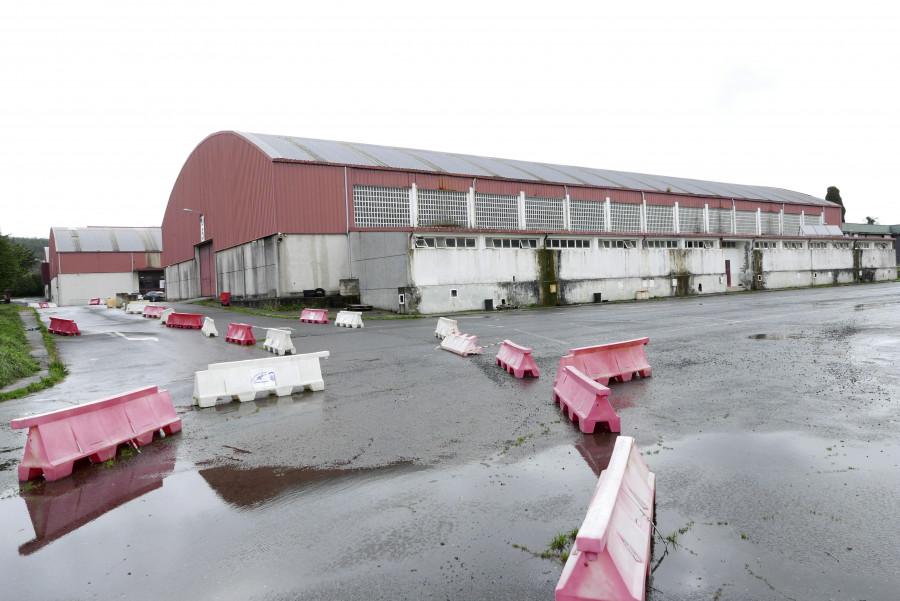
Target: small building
[
  {"x": 865, "y": 230},
  {"x": 274, "y": 217},
  {"x": 99, "y": 262}
]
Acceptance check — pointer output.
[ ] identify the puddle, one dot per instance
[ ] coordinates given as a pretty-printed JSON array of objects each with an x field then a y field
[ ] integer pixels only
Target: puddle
[{"x": 776, "y": 337}]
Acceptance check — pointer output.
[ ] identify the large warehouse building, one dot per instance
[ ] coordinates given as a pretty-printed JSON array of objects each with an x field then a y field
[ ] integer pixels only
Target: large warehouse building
[
  {"x": 264, "y": 216},
  {"x": 99, "y": 262}
]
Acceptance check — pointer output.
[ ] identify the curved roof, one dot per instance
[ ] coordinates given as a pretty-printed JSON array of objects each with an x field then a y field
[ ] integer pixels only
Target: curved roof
[
  {"x": 291, "y": 148},
  {"x": 107, "y": 239}
]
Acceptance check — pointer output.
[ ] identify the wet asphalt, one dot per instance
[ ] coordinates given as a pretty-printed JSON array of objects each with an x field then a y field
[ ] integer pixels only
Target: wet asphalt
[{"x": 771, "y": 422}]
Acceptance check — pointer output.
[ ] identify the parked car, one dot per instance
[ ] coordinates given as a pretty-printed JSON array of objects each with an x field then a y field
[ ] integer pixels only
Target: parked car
[{"x": 155, "y": 296}]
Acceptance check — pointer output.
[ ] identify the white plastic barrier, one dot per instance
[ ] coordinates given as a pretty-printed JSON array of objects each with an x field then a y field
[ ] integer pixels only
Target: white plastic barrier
[
  {"x": 461, "y": 344},
  {"x": 279, "y": 341},
  {"x": 245, "y": 379},
  {"x": 611, "y": 555},
  {"x": 136, "y": 307},
  {"x": 349, "y": 319},
  {"x": 42, "y": 305},
  {"x": 164, "y": 316},
  {"x": 445, "y": 327},
  {"x": 209, "y": 327}
]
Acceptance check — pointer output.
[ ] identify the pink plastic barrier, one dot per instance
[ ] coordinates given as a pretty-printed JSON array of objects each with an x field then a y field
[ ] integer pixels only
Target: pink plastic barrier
[
  {"x": 193, "y": 321},
  {"x": 153, "y": 311},
  {"x": 240, "y": 333},
  {"x": 95, "y": 301},
  {"x": 44, "y": 305},
  {"x": 618, "y": 361},
  {"x": 63, "y": 327},
  {"x": 586, "y": 401},
  {"x": 611, "y": 556},
  {"x": 314, "y": 316},
  {"x": 516, "y": 360},
  {"x": 56, "y": 440}
]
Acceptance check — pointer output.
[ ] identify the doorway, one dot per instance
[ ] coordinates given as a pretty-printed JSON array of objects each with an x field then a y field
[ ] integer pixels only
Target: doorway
[
  {"x": 728, "y": 273},
  {"x": 207, "y": 269}
]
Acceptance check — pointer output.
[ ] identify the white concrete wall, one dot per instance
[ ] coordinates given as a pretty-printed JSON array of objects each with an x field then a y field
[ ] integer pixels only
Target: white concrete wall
[
  {"x": 379, "y": 261},
  {"x": 182, "y": 281},
  {"x": 306, "y": 262},
  {"x": 249, "y": 270},
  {"x": 80, "y": 288}
]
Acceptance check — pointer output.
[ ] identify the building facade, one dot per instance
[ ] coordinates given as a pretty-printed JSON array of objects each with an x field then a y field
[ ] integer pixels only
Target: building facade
[{"x": 264, "y": 216}]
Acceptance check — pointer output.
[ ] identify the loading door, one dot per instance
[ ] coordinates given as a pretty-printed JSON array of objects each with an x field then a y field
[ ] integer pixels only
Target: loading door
[
  {"x": 728, "y": 273},
  {"x": 207, "y": 270}
]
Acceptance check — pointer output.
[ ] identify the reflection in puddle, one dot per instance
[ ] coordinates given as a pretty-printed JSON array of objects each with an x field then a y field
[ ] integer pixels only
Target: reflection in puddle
[
  {"x": 775, "y": 337},
  {"x": 596, "y": 449},
  {"x": 58, "y": 508}
]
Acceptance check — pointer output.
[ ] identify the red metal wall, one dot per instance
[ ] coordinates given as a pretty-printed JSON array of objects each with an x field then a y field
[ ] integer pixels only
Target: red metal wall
[{"x": 99, "y": 262}]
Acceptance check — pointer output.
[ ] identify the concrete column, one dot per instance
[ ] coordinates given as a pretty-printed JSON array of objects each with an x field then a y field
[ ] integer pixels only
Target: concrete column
[
  {"x": 675, "y": 220},
  {"x": 414, "y": 206},
  {"x": 607, "y": 215},
  {"x": 470, "y": 207},
  {"x": 522, "y": 210}
]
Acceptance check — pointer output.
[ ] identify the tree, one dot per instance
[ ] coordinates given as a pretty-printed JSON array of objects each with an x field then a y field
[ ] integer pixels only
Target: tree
[
  {"x": 834, "y": 195},
  {"x": 15, "y": 261},
  {"x": 871, "y": 220}
]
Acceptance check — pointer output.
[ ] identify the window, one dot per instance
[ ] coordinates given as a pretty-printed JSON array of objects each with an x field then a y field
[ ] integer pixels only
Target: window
[
  {"x": 433, "y": 242},
  {"x": 863, "y": 245},
  {"x": 375, "y": 206},
  {"x": 568, "y": 243},
  {"x": 842, "y": 245},
  {"x": 792, "y": 245},
  {"x": 818, "y": 245},
  {"x": 729, "y": 244},
  {"x": 617, "y": 244},
  {"x": 699, "y": 244},
  {"x": 512, "y": 243},
  {"x": 662, "y": 243},
  {"x": 883, "y": 245},
  {"x": 765, "y": 244}
]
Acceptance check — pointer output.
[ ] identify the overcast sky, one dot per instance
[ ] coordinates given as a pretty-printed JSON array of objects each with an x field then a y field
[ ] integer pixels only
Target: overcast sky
[{"x": 102, "y": 102}]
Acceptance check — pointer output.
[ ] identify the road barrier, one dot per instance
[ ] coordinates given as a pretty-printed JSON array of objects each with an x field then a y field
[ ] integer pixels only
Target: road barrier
[
  {"x": 445, "y": 327},
  {"x": 135, "y": 307},
  {"x": 209, "y": 327},
  {"x": 42, "y": 305},
  {"x": 240, "y": 333},
  {"x": 314, "y": 316},
  {"x": 618, "y": 361},
  {"x": 56, "y": 440},
  {"x": 516, "y": 360},
  {"x": 185, "y": 320},
  {"x": 349, "y": 319},
  {"x": 279, "y": 341},
  {"x": 461, "y": 344},
  {"x": 585, "y": 401},
  {"x": 95, "y": 301},
  {"x": 63, "y": 327},
  {"x": 110, "y": 303},
  {"x": 245, "y": 379},
  {"x": 610, "y": 559},
  {"x": 164, "y": 316},
  {"x": 153, "y": 311},
  {"x": 225, "y": 299}
]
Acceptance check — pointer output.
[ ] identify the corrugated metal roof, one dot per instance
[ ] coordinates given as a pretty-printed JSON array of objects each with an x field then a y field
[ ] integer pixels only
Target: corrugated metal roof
[
  {"x": 108, "y": 239},
  {"x": 369, "y": 155}
]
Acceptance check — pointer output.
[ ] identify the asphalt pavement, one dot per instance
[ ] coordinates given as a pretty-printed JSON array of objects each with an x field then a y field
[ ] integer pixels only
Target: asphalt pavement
[{"x": 770, "y": 422}]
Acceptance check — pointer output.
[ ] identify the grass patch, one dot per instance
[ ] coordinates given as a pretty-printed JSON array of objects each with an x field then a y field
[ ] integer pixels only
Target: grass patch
[
  {"x": 15, "y": 358},
  {"x": 57, "y": 368}
]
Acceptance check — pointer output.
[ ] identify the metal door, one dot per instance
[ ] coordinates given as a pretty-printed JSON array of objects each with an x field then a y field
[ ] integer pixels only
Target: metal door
[
  {"x": 728, "y": 273},
  {"x": 207, "y": 270}
]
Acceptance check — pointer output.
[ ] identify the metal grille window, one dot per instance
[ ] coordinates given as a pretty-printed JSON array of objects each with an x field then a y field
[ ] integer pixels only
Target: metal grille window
[
  {"x": 375, "y": 206},
  {"x": 660, "y": 219},
  {"x": 617, "y": 244},
  {"x": 729, "y": 244},
  {"x": 568, "y": 243},
  {"x": 745, "y": 222},
  {"x": 759, "y": 244},
  {"x": 720, "y": 221},
  {"x": 699, "y": 244},
  {"x": 586, "y": 216},
  {"x": 625, "y": 217},
  {"x": 690, "y": 220},
  {"x": 662, "y": 243},
  {"x": 863, "y": 245},
  {"x": 791, "y": 224},
  {"x": 544, "y": 213},
  {"x": 496, "y": 212},
  {"x": 512, "y": 243},
  {"x": 818, "y": 245},
  {"x": 811, "y": 219},
  {"x": 442, "y": 208},
  {"x": 430, "y": 242},
  {"x": 842, "y": 245},
  {"x": 770, "y": 225},
  {"x": 792, "y": 245}
]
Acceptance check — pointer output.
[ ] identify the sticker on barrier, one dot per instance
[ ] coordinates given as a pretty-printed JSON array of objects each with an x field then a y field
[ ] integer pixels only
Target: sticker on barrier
[
  {"x": 349, "y": 319},
  {"x": 585, "y": 401},
  {"x": 517, "y": 360},
  {"x": 610, "y": 559},
  {"x": 279, "y": 341},
  {"x": 240, "y": 333},
  {"x": 244, "y": 380},
  {"x": 209, "y": 327},
  {"x": 56, "y": 440},
  {"x": 617, "y": 361},
  {"x": 314, "y": 316},
  {"x": 95, "y": 301},
  {"x": 445, "y": 327},
  {"x": 63, "y": 327},
  {"x": 461, "y": 344}
]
